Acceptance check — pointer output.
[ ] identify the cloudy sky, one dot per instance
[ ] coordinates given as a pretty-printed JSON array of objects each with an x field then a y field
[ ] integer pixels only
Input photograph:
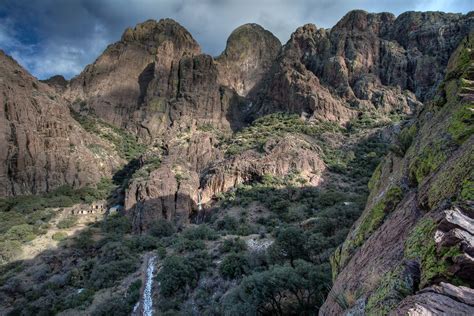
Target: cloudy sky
[{"x": 51, "y": 37}]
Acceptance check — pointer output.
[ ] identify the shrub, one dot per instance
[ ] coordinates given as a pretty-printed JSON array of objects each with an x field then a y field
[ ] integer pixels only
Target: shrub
[
  {"x": 200, "y": 232},
  {"x": 162, "y": 228},
  {"x": 289, "y": 245},
  {"x": 234, "y": 265},
  {"x": 75, "y": 300},
  {"x": 185, "y": 245},
  {"x": 84, "y": 240},
  {"x": 133, "y": 292},
  {"x": 227, "y": 223},
  {"x": 68, "y": 222},
  {"x": 117, "y": 224},
  {"x": 116, "y": 306},
  {"x": 139, "y": 243},
  {"x": 303, "y": 288},
  {"x": 108, "y": 274},
  {"x": 175, "y": 275},
  {"x": 9, "y": 250},
  {"x": 59, "y": 236},
  {"x": 22, "y": 233},
  {"x": 233, "y": 245},
  {"x": 178, "y": 273}
]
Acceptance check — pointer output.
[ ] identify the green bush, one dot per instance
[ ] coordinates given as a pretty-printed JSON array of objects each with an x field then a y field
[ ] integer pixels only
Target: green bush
[
  {"x": 116, "y": 306},
  {"x": 177, "y": 273},
  {"x": 84, "y": 240},
  {"x": 227, "y": 223},
  {"x": 162, "y": 228},
  {"x": 117, "y": 224},
  {"x": 303, "y": 287},
  {"x": 59, "y": 236},
  {"x": 68, "y": 222},
  {"x": 108, "y": 274},
  {"x": 77, "y": 300},
  {"x": 9, "y": 250},
  {"x": 182, "y": 244},
  {"x": 233, "y": 245},
  {"x": 200, "y": 232},
  {"x": 140, "y": 243},
  {"x": 289, "y": 245},
  {"x": 21, "y": 233},
  {"x": 234, "y": 265}
]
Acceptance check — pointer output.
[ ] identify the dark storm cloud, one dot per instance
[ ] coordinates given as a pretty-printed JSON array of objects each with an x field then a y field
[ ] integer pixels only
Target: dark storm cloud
[{"x": 61, "y": 36}]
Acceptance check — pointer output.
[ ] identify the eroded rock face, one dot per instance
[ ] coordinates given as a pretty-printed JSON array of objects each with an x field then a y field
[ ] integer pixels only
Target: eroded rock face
[
  {"x": 195, "y": 171},
  {"x": 58, "y": 82},
  {"x": 443, "y": 299},
  {"x": 281, "y": 157},
  {"x": 291, "y": 87},
  {"x": 366, "y": 61},
  {"x": 360, "y": 64},
  {"x": 155, "y": 79},
  {"x": 249, "y": 54},
  {"x": 166, "y": 194},
  {"x": 42, "y": 146},
  {"x": 116, "y": 83},
  {"x": 419, "y": 209}
]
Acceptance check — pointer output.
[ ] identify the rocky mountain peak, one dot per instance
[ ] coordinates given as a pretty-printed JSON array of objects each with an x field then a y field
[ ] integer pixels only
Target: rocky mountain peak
[
  {"x": 249, "y": 53},
  {"x": 58, "y": 82},
  {"x": 154, "y": 33},
  {"x": 248, "y": 37},
  {"x": 359, "y": 20}
]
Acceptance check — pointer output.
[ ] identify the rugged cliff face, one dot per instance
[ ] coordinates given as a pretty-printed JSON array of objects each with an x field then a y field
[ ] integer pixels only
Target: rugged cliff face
[
  {"x": 249, "y": 54},
  {"x": 359, "y": 66},
  {"x": 43, "y": 147},
  {"x": 366, "y": 61},
  {"x": 165, "y": 82},
  {"x": 413, "y": 243},
  {"x": 115, "y": 85}
]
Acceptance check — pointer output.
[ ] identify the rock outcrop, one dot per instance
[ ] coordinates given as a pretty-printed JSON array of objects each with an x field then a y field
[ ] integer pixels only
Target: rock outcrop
[
  {"x": 116, "y": 84},
  {"x": 155, "y": 79},
  {"x": 280, "y": 158},
  {"x": 443, "y": 299},
  {"x": 366, "y": 61},
  {"x": 250, "y": 52},
  {"x": 43, "y": 147},
  {"x": 420, "y": 210},
  {"x": 58, "y": 82}
]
